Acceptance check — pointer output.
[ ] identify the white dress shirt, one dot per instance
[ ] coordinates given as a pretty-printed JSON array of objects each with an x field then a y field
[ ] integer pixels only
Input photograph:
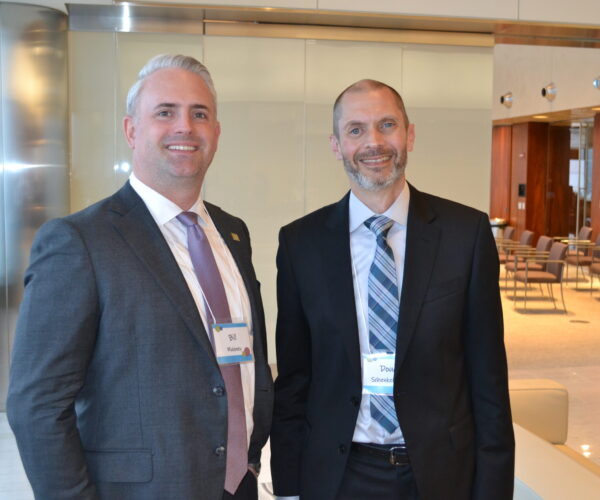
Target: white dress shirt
[
  {"x": 164, "y": 212},
  {"x": 362, "y": 248}
]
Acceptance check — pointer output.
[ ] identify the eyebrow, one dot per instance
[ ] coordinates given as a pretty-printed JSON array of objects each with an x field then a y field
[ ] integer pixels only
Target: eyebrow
[{"x": 173, "y": 105}]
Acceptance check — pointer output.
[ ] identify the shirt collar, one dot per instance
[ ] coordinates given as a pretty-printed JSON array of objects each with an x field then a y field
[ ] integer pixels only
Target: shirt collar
[
  {"x": 398, "y": 211},
  {"x": 161, "y": 208}
]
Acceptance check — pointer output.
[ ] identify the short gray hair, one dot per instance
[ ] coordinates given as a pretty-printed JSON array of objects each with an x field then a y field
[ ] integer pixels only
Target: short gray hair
[{"x": 166, "y": 61}]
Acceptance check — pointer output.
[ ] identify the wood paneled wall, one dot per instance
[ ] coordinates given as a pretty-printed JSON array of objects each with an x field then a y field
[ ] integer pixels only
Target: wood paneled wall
[
  {"x": 535, "y": 156},
  {"x": 500, "y": 178},
  {"x": 558, "y": 198},
  {"x": 537, "y": 166}
]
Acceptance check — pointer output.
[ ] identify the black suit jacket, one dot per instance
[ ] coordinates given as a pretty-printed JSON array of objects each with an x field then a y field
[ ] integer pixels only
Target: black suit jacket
[
  {"x": 114, "y": 384},
  {"x": 450, "y": 385}
]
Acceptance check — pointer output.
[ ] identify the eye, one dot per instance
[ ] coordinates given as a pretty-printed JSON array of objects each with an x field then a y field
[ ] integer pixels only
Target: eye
[
  {"x": 354, "y": 131},
  {"x": 201, "y": 115},
  {"x": 163, "y": 113},
  {"x": 388, "y": 124}
]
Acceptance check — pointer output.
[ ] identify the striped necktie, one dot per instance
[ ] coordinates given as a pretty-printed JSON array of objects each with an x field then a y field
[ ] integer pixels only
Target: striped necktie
[{"x": 384, "y": 307}]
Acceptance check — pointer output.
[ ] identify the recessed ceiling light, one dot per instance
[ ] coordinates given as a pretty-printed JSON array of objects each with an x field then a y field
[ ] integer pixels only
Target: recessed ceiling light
[
  {"x": 540, "y": 117},
  {"x": 596, "y": 108}
]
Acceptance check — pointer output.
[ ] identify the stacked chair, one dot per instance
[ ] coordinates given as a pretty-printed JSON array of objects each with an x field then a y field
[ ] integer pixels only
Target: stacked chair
[
  {"x": 507, "y": 247},
  {"x": 517, "y": 262},
  {"x": 550, "y": 275},
  {"x": 594, "y": 264},
  {"x": 507, "y": 239},
  {"x": 577, "y": 248},
  {"x": 582, "y": 256}
]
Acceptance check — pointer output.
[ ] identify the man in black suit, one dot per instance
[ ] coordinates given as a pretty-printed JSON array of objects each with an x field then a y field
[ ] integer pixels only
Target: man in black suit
[
  {"x": 119, "y": 385},
  {"x": 392, "y": 377}
]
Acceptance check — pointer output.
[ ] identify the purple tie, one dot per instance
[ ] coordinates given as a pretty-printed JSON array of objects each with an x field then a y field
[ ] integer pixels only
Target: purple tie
[{"x": 211, "y": 283}]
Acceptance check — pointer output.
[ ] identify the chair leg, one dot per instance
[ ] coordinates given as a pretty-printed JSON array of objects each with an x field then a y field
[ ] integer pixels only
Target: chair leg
[
  {"x": 563, "y": 297},
  {"x": 525, "y": 299}
]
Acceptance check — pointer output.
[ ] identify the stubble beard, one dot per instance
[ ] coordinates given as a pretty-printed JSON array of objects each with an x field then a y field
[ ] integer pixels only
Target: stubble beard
[{"x": 376, "y": 184}]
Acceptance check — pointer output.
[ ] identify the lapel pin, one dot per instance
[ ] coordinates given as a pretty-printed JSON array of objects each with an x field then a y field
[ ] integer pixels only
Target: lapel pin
[{"x": 235, "y": 237}]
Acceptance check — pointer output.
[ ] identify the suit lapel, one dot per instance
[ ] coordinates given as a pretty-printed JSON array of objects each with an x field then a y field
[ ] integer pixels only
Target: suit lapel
[
  {"x": 337, "y": 268},
  {"x": 422, "y": 239},
  {"x": 232, "y": 241},
  {"x": 136, "y": 225}
]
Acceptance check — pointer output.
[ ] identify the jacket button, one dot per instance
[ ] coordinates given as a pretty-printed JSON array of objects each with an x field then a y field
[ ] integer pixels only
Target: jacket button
[
  {"x": 355, "y": 401},
  {"x": 220, "y": 451},
  {"x": 218, "y": 391},
  {"x": 342, "y": 448}
]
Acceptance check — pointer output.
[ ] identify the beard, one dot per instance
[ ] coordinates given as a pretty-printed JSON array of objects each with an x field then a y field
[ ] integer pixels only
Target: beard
[{"x": 375, "y": 183}]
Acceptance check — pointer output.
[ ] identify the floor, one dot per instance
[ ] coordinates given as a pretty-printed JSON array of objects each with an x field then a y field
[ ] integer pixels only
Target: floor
[{"x": 541, "y": 342}]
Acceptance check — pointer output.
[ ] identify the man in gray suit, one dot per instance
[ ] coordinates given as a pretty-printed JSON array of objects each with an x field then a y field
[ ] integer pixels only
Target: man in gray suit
[{"x": 121, "y": 387}]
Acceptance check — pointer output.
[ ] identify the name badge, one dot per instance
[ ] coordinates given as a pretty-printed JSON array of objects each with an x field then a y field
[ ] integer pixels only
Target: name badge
[
  {"x": 233, "y": 343},
  {"x": 378, "y": 373}
]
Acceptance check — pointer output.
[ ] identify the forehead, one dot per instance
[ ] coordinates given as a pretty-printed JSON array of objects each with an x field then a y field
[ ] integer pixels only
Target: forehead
[
  {"x": 175, "y": 85},
  {"x": 369, "y": 104}
]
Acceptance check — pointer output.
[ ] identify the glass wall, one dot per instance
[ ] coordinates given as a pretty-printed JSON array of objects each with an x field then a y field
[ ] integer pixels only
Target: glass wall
[{"x": 275, "y": 99}]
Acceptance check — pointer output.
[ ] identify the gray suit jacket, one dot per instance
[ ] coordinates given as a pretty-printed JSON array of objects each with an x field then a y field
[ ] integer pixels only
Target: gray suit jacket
[{"x": 114, "y": 387}]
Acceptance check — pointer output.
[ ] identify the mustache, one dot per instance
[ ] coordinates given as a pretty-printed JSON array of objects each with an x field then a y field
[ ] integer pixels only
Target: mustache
[{"x": 373, "y": 152}]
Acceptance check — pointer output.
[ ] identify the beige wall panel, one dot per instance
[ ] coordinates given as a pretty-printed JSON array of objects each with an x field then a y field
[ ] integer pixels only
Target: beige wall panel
[
  {"x": 447, "y": 92},
  {"x": 501, "y": 9},
  {"x": 92, "y": 80},
  {"x": 560, "y": 11},
  {"x": 523, "y": 70},
  {"x": 574, "y": 70},
  {"x": 447, "y": 77},
  {"x": 258, "y": 171}
]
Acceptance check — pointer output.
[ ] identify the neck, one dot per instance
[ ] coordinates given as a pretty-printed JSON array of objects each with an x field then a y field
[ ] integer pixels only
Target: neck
[
  {"x": 379, "y": 201},
  {"x": 182, "y": 191}
]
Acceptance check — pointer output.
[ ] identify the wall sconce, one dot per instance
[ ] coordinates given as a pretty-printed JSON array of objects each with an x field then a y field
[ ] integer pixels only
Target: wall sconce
[
  {"x": 549, "y": 92},
  {"x": 596, "y": 83},
  {"x": 506, "y": 99}
]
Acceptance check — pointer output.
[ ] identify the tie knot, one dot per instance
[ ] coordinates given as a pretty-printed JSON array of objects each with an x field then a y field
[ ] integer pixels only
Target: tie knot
[
  {"x": 188, "y": 219},
  {"x": 379, "y": 224}
]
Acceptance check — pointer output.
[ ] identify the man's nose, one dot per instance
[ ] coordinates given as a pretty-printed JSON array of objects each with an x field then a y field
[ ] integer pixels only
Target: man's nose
[
  {"x": 373, "y": 137},
  {"x": 183, "y": 125}
]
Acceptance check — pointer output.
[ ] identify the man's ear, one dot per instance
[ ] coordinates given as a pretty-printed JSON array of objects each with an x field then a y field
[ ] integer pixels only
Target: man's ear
[
  {"x": 410, "y": 138},
  {"x": 129, "y": 129},
  {"x": 335, "y": 146}
]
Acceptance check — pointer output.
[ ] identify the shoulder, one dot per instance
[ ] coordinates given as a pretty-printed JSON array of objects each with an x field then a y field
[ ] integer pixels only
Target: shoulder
[
  {"x": 324, "y": 218},
  {"x": 94, "y": 219},
  {"x": 221, "y": 217},
  {"x": 444, "y": 210}
]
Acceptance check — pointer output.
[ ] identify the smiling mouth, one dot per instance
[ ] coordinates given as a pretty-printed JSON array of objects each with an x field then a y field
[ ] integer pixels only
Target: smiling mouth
[
  {"x": 375, "y": 160},
  {"x": 180, "y": 147}
]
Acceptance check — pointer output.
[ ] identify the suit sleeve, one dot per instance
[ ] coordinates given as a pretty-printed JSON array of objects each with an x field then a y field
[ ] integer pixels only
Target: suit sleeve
[
  {"x": 54, "y": 341},
  {"x": 290, "y": 426},
  {"x": 487, "y": 371}
]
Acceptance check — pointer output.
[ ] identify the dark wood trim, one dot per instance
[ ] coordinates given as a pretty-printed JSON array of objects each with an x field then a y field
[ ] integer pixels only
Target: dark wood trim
[{"x": 500, "y": 175}]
